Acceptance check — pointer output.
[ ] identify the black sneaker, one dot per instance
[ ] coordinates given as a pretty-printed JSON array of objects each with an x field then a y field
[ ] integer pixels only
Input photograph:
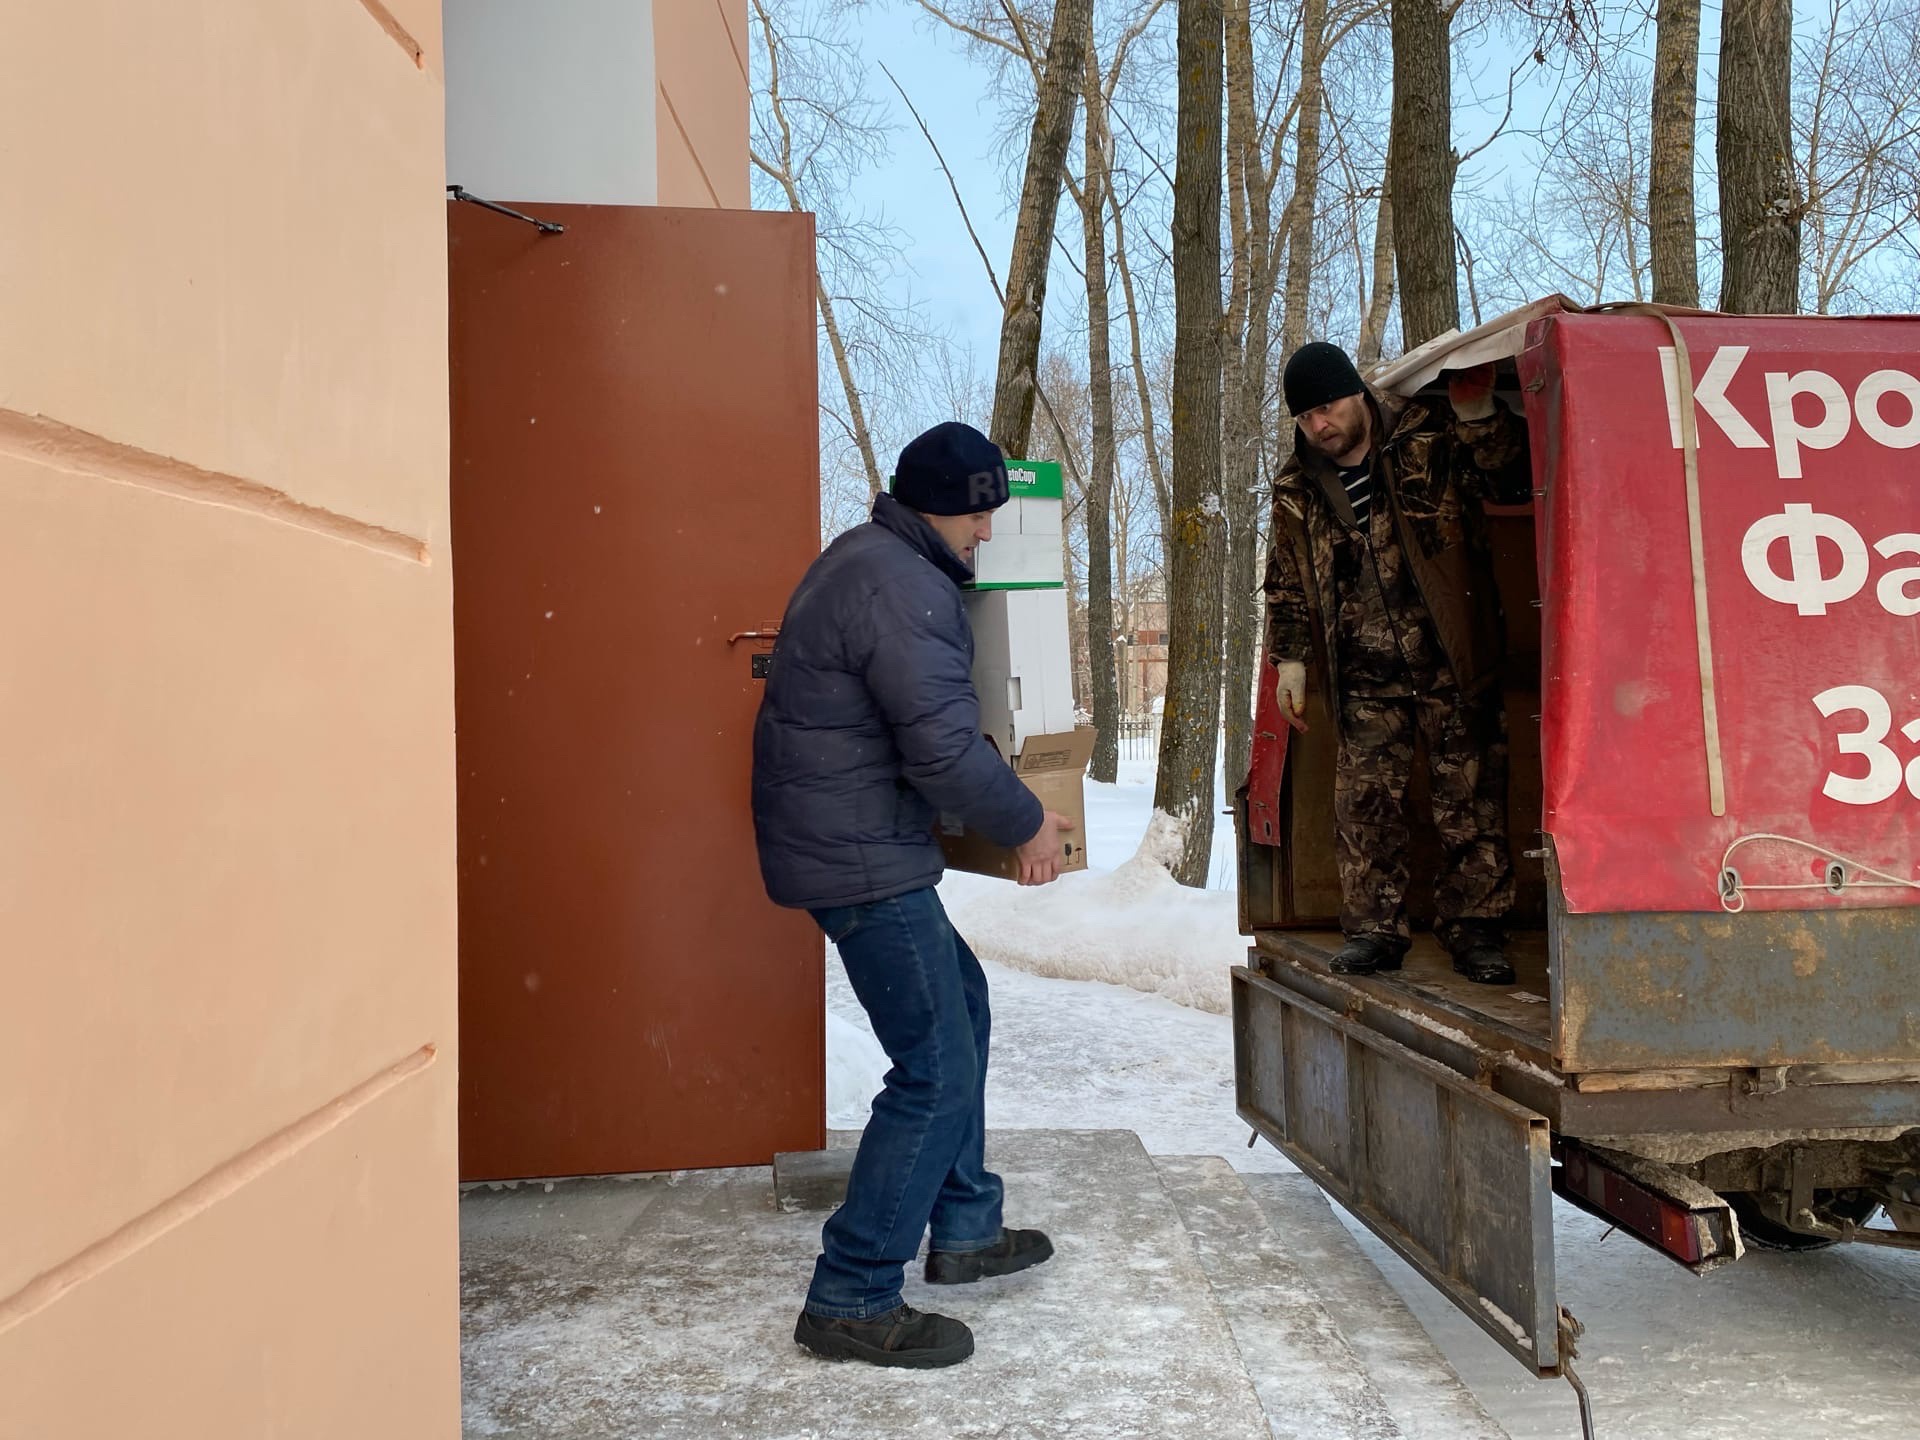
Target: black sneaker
[
  {"x": 1016, "y": 1250},
  {"x": 1484, "y": 963},
  {"x": 1364, "y": 954},
  {"x": 902, "y": 1337}
]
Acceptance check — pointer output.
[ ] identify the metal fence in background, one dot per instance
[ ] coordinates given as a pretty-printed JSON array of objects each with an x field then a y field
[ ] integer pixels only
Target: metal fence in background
[{"x": 1140, "y": 739}]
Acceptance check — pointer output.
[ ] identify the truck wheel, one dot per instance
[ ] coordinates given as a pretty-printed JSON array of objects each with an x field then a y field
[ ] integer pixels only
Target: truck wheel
[{"x": 1763, "y": 1224}]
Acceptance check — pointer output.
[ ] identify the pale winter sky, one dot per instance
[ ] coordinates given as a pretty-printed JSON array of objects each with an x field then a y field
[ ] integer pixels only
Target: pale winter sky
[{"x": 957, "y": 96}]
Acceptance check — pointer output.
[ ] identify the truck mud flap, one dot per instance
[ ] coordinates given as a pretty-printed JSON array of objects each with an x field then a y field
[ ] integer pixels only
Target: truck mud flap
[{"x": 1454, "y": 1177}]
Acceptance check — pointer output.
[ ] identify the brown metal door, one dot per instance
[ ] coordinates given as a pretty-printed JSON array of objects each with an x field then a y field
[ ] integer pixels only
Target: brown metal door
[{"x": 635, "y": 481}]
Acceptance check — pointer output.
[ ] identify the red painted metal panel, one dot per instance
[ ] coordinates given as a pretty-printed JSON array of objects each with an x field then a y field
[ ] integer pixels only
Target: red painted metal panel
[
  {"x": 635, "y": 481},
  {"x": 1807, "y": 460},
  {"x": 1268, "y": 764}
]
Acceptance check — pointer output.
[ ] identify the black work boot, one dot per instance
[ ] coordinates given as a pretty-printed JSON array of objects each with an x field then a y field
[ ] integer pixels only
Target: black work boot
[
  {"x": 903, "y": 1337},
  {"x": 1483, "y": 962},
  {"x": 1015, "y": 1250},
  {"x": 1365, "y": 954}
]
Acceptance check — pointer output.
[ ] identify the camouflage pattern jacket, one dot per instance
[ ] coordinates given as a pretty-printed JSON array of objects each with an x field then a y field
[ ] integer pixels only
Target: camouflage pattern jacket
[{"x": 1432, "y": 470}]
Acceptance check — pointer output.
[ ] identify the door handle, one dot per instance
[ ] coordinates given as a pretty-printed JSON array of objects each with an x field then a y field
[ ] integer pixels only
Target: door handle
[{"x": 762, "y": 659}]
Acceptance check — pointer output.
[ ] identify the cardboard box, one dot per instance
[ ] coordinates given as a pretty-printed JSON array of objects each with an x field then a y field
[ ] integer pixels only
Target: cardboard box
[{"x": 1053, "y": 767}]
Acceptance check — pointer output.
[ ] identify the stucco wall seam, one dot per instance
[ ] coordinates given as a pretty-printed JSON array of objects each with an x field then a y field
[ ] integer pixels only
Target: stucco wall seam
[
  {"x": 72, "y": 451},
  {"x": 693, "y": 151},
  {"x": 209, "y": 1190},
  {"x": 733, "y": 40},
  {"x": 385, "y": 19}
]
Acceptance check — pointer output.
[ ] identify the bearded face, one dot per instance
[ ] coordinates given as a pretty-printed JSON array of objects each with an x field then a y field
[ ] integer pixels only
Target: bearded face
[{"x": 1339, "y": 429}]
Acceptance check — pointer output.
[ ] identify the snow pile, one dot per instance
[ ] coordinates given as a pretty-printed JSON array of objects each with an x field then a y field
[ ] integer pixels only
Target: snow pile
[
  {"x": 1133, "y": 926},
  {"x": 856, "y": 1066},
  {"x": 1163, "y": 842}
]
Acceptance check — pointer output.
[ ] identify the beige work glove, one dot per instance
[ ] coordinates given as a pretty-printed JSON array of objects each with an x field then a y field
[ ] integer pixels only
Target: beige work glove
[
  {"x": 1470, "y": 392},
  {"x": 1291, "y": 685}
]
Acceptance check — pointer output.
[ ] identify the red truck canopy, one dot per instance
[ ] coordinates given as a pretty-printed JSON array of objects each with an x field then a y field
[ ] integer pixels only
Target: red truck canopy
[{"x": 1767, "y": 720}]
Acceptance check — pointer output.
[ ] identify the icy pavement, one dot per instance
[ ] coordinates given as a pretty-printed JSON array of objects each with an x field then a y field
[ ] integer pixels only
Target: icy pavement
[
  {"x": 608, "y": 1309},
  {"x": 1817, "y": 1346}
]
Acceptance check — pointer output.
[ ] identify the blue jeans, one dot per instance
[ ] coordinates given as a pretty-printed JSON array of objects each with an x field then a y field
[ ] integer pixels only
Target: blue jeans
[{"x": 922, "y": 1161}]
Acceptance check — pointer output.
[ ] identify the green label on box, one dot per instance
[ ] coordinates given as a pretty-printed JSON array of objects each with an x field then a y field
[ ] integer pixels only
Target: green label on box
[{"x": 1036, "y": 480}]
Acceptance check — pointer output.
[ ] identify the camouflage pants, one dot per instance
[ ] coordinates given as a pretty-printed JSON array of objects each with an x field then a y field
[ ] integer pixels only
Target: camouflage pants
[{"x": 1467, "y": 776}]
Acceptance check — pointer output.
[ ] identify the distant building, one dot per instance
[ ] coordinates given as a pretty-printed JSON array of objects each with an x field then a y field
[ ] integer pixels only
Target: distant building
[{"x": 1140, "y": 657}]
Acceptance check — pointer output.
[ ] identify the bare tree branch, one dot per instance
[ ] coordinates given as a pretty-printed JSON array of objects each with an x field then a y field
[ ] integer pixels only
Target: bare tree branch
[{"x": 1073, "y": 464}]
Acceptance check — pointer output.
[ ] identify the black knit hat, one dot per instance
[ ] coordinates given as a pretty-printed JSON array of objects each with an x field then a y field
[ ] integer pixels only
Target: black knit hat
[
  {"x": 1318, "y": 374},
  {"x": 951, "y": 470}
]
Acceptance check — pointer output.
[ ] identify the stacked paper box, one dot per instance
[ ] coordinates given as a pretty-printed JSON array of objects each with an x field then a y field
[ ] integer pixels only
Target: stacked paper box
[
  {"x": 1026, "y": 544},
  {"x": 1022, "y": 667}
]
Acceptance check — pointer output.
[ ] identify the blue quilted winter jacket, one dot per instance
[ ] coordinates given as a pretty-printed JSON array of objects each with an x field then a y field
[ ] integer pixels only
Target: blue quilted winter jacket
[{"x": 870, "y": 729}]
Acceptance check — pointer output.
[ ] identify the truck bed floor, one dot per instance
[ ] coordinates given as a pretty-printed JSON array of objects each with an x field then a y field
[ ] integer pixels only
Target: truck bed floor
[{"x": 1521, "y": 1008}]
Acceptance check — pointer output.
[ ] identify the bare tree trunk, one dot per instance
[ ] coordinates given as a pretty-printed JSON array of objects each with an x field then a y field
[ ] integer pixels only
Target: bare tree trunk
[
  {"x": 1122, "y": 590},
  {"x": 1422, "y": 170},
  {"x": 1255, "y": 257},
  {"x": 1077, "y": 637},
  {"x": 1306, "y": 174},
  {"x": 1246, "y": 412},
  {"x": 1373, "y": 331},
  {"x": 1672, "y": 225},
  {"x": 856, "y": 412},
  {"x": 1149, "y": 437},
  {"x": 1100, "y": 626},
  {"x": 1190, "y": 731},
  {"x": 1760, "y": 202},
  {"x": 1026, "y": 300}
]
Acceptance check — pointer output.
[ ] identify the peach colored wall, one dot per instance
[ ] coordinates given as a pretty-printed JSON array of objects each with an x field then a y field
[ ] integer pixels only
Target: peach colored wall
[
  {"x": 700, "y": 69},
  {"x": 226, "y": 818}
]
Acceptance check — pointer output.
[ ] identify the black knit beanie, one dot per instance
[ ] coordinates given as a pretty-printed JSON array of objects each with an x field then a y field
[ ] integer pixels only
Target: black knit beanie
[
  {"x": 951, "y": 470},
  {"x": 1318, "y": 374}
]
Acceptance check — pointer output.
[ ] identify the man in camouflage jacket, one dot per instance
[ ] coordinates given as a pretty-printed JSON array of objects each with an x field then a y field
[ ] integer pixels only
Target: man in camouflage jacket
[{"x": 1380, "y": 568}]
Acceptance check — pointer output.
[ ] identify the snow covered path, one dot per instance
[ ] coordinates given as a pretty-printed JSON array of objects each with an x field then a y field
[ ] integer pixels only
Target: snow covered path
[
  {"x": 1075, "y": 1056},
  {"x": 1819, "y": 1346},
  {"x": 1070, "y": 1055}
]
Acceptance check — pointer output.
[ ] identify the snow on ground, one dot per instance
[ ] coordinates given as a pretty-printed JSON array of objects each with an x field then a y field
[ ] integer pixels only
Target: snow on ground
[
  {"x": 1133, "y": 926},
  {"x": 1123, "y": 920},
  {"x": 1817, "y": 1346},
  {"x": 1075, "y": 1056},
  {"x": 1117, "y": 817},
  {"x": 1150, "y": 1050}
]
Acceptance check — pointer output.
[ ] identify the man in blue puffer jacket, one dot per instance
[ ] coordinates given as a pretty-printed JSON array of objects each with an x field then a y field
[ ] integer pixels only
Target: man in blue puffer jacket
[{"x": 868, "y": 732}]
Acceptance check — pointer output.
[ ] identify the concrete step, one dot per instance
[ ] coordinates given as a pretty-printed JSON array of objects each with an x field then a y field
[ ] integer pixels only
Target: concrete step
[
  {"x": 1310, "y": 1382},
  {"x": 815, "y": 1179},
  {"x": 1421, "y": 1389},
  {"x": 598, "y": 1309}
]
